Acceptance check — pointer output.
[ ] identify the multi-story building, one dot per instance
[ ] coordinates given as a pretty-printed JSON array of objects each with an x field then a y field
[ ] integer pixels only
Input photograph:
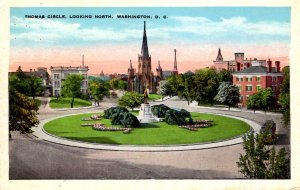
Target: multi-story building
[
  {"x": 60, "y": 73},
  {"x": 256, "y": 77},
  {"x": 239, "y": 62}
]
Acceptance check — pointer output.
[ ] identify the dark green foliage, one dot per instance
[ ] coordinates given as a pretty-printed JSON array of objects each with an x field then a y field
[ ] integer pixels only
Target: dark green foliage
[
  {"x": 116, "y": 118},
  {"x": 262, "y": 162},
  {"x": 22, "y": 112},
  {"x": 205, "y": 85},
  {"x": 225, "y": 76},
  {"x": 284, "y": 96},
  {"x": 228, "y": 94},
  {"x": 98, "y": 90},
  {"x": 174, "y": 117},
  {"x": 129, "y": 120},
  {"x": 109, "y": 112},
  {"x": 185, "y": 113},
  {"x": 71, "y": 87},
  {"x": 159, "y": 110},
  {"x": 264, "y": 99}
]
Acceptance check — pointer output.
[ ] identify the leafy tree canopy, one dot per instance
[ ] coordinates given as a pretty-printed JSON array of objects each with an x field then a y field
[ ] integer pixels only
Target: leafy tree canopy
[
  {"x": 71, "y": 87},
  {"x": 262, "y": 162},
  {"x": 131, "y": 100},
  {"x": 22, "y": 112},
  {"x": 98, "y": 90},
  {"x": 284, "y": 96},
  {"x": 228, "y": 94}
]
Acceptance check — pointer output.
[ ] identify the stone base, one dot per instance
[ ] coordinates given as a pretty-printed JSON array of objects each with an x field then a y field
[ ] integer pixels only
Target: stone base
[{"x": 145, "y": 114}]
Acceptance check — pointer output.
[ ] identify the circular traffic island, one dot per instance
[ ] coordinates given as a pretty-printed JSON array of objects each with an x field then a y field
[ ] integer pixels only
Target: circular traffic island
[{"x": 81, "y": 128}]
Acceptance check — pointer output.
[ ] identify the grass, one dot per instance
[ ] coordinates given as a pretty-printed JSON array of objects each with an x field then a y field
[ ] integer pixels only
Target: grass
[
  {"x": 153, "y": 97},
  {"x": 150, "y": 134},
  {"x": 65, "y": 103}
]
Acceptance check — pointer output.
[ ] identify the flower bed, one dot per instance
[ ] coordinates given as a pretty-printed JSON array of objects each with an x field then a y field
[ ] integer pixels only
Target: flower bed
[
  {"x": 203, "y": 121},
  {"x": 96, "y": 117},
  {"x": 101, "y": 127},
  {"x": 87, "y": 124},
  {"x": 86, "y": 119}
]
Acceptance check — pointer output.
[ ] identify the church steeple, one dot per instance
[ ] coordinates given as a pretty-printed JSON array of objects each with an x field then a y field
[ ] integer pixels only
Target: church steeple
[
  {"x": 219, "y": 57},
  {"x": 144, "y": 50},
  {"x": 130, "y": 65}
]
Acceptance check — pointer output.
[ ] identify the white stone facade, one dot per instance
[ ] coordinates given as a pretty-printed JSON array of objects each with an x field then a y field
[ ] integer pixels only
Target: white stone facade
[{"x": 60, "y": 73}]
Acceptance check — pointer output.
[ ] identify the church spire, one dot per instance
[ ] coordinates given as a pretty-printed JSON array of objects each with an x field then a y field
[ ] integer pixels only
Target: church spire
[
  {"x": 219, "y": 57},
  {"x": 130, "y": 65},
  {"x": 144, "y": 50},
  {"x": 159, "y": 67}
]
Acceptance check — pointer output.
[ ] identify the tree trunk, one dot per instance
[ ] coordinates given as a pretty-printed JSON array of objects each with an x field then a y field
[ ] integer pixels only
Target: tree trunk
[
  {"x": 72, "y": 102},
  {"x": 10, "y": 136},
  {"x": 229, "y": 108}
]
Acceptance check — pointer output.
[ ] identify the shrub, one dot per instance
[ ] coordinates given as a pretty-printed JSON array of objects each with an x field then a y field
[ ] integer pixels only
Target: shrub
[
  {"x": 129, "y": 120},
  {"x": 160, "y": 110},
  {"x": 109, "y": 112},
  {"x": 174, "y": 117}
]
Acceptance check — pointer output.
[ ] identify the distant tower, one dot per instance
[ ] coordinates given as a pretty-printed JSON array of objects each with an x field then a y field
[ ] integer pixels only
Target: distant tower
[
  {"x": 82, "y": 60},
  {"x": 159, "y": 72},
  {"x": 175, "y": 71},
  {"x": 219, "y": 57},
  {"x": 130, "y": 79}
]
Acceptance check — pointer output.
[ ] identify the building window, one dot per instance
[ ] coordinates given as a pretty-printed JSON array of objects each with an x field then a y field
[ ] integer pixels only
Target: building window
[
  {"x": 56, "y": 84},
  {"x": 274, "y": 79},
  {"x": 258, "y": 79},
  {"x": 84, "y": 76},
  {"x": 239, "y": 79},
  {"x": 249, "y": 79},
  {"x": 56, "y": 76},
  {"x": 249, "y": 88},
  {"x": 247, "y": 96},
  {"x": 258, "y": 87}
]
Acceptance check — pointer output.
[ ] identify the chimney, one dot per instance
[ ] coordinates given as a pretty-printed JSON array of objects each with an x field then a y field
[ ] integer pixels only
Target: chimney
[
  {"x": 269, "y": 66},
  {"x": 82, "y": 60},
  {"x": 30, "y": 70},
  {"x": 277, "y": 63}
]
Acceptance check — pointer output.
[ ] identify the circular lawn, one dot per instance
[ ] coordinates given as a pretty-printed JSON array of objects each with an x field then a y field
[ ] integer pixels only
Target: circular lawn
[{"x": 148, "y": 134}]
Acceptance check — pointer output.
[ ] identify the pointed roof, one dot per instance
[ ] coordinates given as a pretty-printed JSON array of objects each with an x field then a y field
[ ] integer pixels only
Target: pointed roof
[
  {"x": 219, "y": 57},
  {"x": 159, "y": 67},
  {"x": 144, "y": 50},
  {"x": 130, "y": 67}
]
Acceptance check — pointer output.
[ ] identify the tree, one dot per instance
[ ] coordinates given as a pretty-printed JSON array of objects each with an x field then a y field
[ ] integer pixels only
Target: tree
[
  {"x": 262, "y": 162},
  {"x": 225, "y": 76},
  {"x": 122, "y": 85},
  {"x": 205, "y": 85},
  {"x": 71, "y": 87},
  {"x": 284, "y": 96},
  {"x": 131, "y": 100},
  {"x": 264, "y": 99},
  {"x": 164, "y": 88},
  {"x": 34, "y": 85},
  {"x": 98, "y": 90},
  {"x": 114, "y": 83},
  {"x": 22, "y": 112},
  {"x": 228, "y": 94}
]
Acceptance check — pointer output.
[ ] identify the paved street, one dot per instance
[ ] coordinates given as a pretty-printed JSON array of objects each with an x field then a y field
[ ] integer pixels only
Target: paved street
[{"x": 33, "y": 158}]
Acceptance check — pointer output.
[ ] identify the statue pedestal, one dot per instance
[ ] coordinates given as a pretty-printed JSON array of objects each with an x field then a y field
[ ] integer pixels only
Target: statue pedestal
[{"x": 145, "y": 114}]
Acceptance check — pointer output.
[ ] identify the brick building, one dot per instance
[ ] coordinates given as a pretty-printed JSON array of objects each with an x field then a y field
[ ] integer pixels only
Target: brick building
[
  {"x": 239, "y": 63},
  {"x": 258, "y": 76}
]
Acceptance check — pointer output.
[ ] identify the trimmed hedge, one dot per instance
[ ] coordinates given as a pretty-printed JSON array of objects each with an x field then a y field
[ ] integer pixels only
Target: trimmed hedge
[
  {"x": 121, "y": 116},
  {"x": 159, "y": 110}
]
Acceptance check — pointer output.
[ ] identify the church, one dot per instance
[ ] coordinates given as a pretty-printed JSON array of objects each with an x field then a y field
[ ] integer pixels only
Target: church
[{"x": 144, "y": 78}]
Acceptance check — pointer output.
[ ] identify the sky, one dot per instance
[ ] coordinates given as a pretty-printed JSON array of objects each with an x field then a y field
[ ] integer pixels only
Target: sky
[{"x": 108, "y": 44}]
